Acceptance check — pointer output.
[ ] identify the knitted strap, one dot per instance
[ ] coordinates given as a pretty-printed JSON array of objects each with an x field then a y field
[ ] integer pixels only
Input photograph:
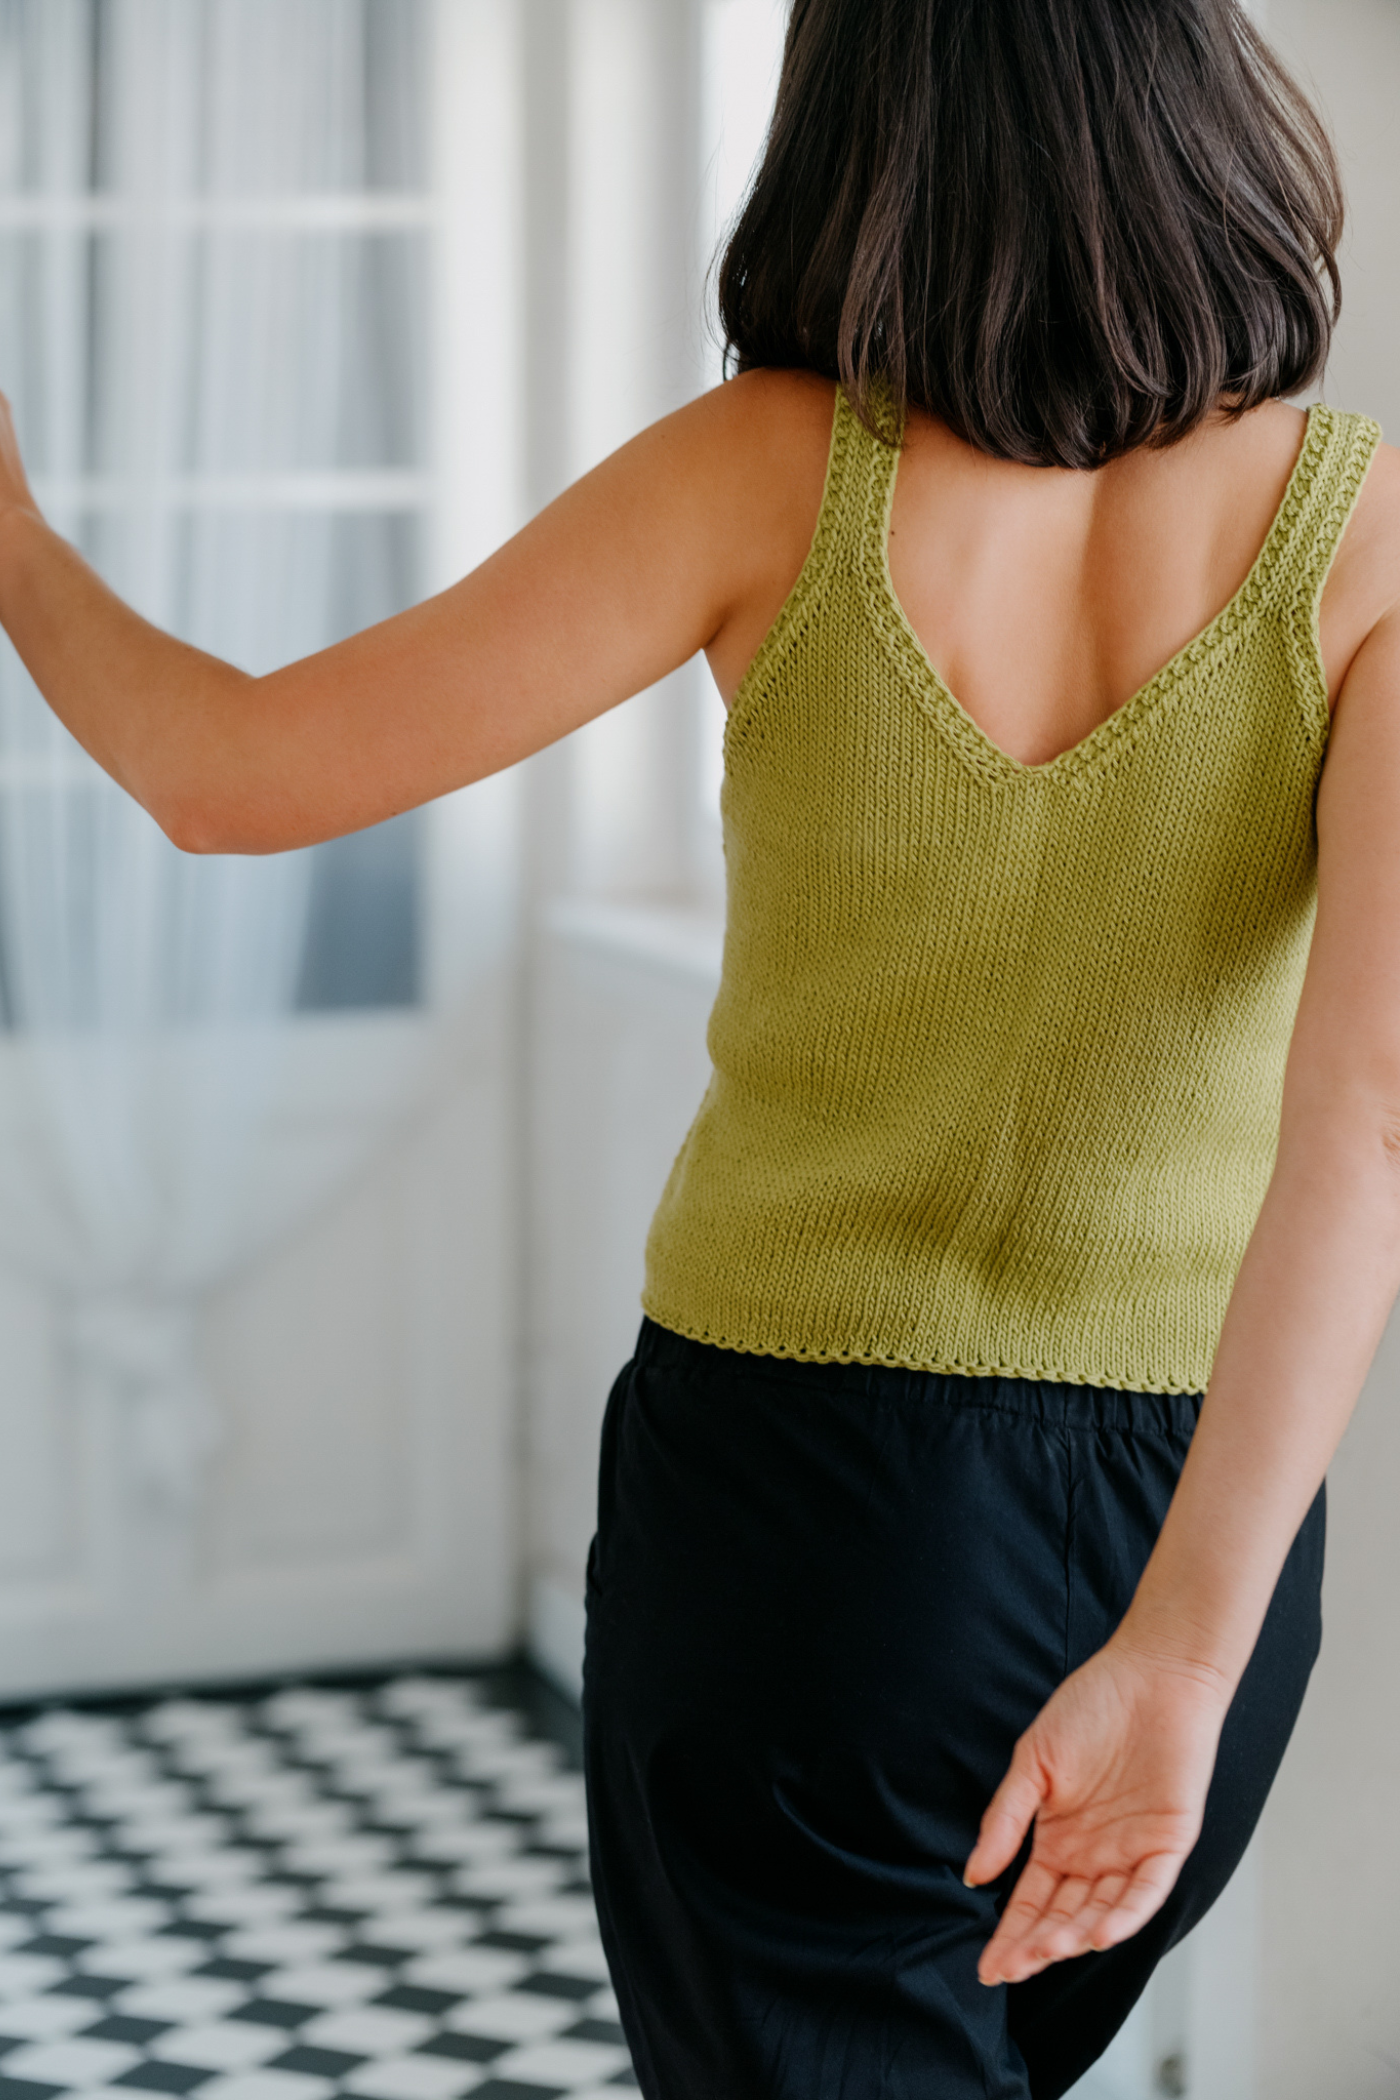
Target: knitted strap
[
  {"x": 873, "y": 462},
  {"x": 1322, "y": 494},
  {"x": 829, "y": 538},
  {"x": 859, "y": 493},
  {"x": 842, "y": 507}
]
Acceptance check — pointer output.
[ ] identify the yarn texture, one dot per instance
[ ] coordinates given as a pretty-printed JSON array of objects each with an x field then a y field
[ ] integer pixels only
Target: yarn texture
[{"x": 998, "y": 1049}]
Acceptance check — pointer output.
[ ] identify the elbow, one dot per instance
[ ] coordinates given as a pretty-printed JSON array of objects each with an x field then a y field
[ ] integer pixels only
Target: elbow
[
  {"x": 1388, "y": 1140},
  {"x": 193, "y": 823},
  {"x": 185, "y": 831},
  {"x": 1374, "y": 1126},
  {"x": 214, "y": 789},
  {"x": 206, "y": 822}
]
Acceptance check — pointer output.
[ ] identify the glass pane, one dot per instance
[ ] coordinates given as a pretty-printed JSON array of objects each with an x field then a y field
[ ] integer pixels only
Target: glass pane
[
  {"x": 341, "y": 108},
  {"x": 47, "y": 87},
  {"x": 263, "y": 588},
  {"x": 286, "y": 352},
  {"x": 362, "y": 941},
  {"x": 46, "y": 303},
  {"x": 180, "y": 350}
]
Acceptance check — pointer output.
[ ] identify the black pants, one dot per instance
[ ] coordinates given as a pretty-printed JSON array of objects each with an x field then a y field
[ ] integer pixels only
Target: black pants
[{"x": 823, "y": 1601}]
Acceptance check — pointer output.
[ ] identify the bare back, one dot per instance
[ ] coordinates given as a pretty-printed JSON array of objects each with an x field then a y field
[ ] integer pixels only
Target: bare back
[{"x": 1046, "y": 598}]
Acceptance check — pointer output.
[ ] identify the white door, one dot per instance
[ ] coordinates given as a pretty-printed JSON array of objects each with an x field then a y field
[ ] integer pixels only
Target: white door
[{"x": 360, "y": 1504}]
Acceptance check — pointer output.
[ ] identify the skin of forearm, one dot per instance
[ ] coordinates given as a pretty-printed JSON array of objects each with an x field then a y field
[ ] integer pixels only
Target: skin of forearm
[
  {"x": 143, "y": 704},
  {"x": 1309, "y": 1305}
]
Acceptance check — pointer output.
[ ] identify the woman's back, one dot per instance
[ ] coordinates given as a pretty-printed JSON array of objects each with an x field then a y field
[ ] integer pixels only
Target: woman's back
[{"x": 1000, "y": 1043}]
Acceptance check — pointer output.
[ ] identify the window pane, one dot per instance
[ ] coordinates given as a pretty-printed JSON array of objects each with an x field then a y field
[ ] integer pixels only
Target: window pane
[
  {"x": 221, "y": 387},
  {"x": 263, "y": 588},
  {"x": 362, "y": 939},
  {"x": 340, "y": 107},
  {"x": 286, "y": 352}
]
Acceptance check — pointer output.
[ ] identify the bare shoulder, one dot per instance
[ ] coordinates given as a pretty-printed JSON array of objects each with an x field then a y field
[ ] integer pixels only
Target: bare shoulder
[
  {"x": 781, "y": 404},
  {"x": 769, "y": 435},
  {"x": 750, "y": 439},
  {"x": 741, "y": 469}
]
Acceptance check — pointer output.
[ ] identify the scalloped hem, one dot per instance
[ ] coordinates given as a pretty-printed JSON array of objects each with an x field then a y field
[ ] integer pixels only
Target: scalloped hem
[{"x": 937, "y": 1366}]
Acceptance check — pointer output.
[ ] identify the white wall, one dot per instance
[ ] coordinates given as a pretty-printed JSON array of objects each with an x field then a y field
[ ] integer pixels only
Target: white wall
[{"x": 620, "y": 1066}]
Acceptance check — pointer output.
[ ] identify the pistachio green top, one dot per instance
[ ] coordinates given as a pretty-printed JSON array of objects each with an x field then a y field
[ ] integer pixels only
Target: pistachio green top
[{"x": 998, "y": 1049}]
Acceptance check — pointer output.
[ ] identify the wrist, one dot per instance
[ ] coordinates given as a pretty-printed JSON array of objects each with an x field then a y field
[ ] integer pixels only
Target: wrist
[
  {"x": 22, "y": 529},
  {"x": 1163, "y": 1641},
  {"x": 17, "y": 515}
]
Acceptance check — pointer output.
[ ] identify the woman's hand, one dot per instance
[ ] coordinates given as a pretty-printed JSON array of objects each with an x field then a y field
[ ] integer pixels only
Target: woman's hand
[
  {"x": 15, "y": 492},
  {"x": 1114, "y": 1772}
]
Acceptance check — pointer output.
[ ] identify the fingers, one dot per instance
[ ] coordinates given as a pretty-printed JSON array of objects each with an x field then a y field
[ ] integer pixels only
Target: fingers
[
  {"x": 1041, "y": 1901},
  {"x": 1009, "y": 1815},
  {"x": 1105, "y": 1894},
  {"x": 1054, "y": 1917},
  {"x": 1041, "y": 1925},
  {"x": 1145, "y": 1894}
]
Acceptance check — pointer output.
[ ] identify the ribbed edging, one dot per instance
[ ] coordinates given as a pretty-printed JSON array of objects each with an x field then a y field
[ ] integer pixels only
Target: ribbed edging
[{"x": 1357, "y": 439}]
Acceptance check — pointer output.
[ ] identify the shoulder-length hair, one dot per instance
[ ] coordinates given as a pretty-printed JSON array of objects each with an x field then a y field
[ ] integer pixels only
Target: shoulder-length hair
[{"x": 1066, "y": 227}]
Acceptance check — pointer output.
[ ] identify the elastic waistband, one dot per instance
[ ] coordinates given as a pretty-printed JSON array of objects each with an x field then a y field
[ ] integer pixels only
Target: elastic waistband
[{"x": 1047, "y": 1401}]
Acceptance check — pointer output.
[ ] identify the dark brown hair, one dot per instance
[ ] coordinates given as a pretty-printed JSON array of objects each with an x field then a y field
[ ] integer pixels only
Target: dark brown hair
[{"x": 1067, "y": 227}]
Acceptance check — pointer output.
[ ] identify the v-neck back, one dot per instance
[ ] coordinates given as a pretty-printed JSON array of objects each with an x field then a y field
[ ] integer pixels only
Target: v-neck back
[{"x": 1187, "y": 660}]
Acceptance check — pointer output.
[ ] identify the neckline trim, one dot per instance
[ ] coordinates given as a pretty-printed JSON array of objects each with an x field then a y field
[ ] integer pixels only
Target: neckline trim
[{"x": 939, "y": 701}]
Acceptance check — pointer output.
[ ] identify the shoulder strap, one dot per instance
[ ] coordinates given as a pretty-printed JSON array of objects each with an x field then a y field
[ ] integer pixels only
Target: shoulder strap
[
  {"x": 1321, "y": 497},
  {"x": 860, "y": 478},
  {"x": 855, "y": 462},
  {"x": 852, "y": 477}
]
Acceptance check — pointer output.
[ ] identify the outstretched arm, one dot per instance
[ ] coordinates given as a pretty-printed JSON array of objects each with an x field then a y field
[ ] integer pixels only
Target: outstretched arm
[
  {"x": 630, "y": 572},
  {"x": 1115, "y": 1768}
]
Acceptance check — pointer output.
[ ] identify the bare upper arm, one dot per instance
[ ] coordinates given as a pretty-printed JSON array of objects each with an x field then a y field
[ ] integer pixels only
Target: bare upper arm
[
  {"x": 1346, "y": 1043},
  {"x": 678, "y": 542},
  {"x": 1365, "y": 580}
]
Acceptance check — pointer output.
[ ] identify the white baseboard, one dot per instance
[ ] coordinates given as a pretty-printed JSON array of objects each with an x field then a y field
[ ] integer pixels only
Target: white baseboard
[{"x": 554, "y": 1639}]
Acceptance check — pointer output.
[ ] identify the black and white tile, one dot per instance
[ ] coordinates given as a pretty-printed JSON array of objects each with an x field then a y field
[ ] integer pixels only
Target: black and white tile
[{"x": 377, "y": 1893}]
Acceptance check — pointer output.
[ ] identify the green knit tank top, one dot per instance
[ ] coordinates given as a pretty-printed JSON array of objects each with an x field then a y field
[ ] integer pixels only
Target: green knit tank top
[{"x": 998, "y": 1049}]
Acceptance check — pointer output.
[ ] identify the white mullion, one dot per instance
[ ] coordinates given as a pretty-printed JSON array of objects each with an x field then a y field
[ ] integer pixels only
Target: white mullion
[
  {"x": 478, "y": 291},
  {"x": 476, "y": 444},
  {"x": 352, "y": 211},
  {"x": 389, "y": 490},
  {"x": 143, "y": 57},
  {"x": 635, "y": 194}
]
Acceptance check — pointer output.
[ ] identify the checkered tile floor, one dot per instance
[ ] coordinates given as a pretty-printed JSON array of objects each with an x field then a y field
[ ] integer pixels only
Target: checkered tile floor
[{"x": 378, "y": 1893}]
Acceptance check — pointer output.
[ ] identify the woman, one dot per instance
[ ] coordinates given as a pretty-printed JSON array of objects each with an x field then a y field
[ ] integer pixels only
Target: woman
[{"x": 933, "y": 1690}]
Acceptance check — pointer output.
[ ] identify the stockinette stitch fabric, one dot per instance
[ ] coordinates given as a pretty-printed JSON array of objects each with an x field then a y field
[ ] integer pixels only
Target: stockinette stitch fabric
[{"x": 998, "y": 1049}]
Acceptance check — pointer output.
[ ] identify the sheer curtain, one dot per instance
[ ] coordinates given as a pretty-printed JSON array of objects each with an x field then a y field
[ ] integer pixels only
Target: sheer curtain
[{"x": 211, "y": 269}]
